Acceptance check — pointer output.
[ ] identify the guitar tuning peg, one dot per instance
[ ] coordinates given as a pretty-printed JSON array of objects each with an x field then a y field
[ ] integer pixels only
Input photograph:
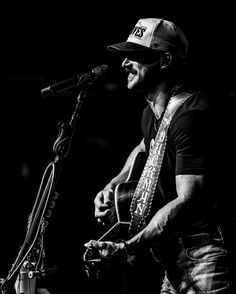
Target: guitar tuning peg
[
  {"x": 55, "y": 195},
  {"x": 51, "y": 204},
  {"x": 48, "y": 213}
]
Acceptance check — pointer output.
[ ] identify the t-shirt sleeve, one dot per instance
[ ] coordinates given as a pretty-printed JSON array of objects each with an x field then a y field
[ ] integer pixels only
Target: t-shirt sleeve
[{"x": 193, "y": 143}]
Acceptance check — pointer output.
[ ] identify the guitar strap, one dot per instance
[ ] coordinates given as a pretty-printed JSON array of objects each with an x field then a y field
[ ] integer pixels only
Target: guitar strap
[{"x": 142, "y": 199}]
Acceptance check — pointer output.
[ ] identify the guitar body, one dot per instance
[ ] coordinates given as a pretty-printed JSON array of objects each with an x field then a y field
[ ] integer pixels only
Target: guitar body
[
  {"x": 119, "y": 227},
  {"x": 122, "y": 199}
]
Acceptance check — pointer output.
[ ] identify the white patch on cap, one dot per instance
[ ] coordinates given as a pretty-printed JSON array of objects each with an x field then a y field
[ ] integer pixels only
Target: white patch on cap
[{"x": 142, "y": 33}]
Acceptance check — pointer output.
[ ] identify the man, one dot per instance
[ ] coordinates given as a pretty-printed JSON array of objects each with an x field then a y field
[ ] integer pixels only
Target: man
[{"x": 174, "y": 211}]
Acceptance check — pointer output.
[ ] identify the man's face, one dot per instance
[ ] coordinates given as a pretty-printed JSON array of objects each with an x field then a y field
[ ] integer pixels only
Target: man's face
[{"x": 141, "y": 75}]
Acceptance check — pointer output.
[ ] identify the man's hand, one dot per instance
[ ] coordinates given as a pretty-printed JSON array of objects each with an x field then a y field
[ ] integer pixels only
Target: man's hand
[
  {"x": 104, "y": 206},
  {"x": 100, "y": 255},
  {"x": 104, "y": 250}
]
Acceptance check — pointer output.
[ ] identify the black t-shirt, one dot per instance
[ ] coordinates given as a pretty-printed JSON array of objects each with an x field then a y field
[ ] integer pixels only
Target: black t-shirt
[{"x": 190, "y": 142}]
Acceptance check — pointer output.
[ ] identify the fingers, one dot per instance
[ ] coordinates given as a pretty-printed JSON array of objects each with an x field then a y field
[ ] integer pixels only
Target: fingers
[
  {"x": 101, "y": 214},
  {"x": 88, "y": 244},
  {"x": 103, "y": 205},
  {"x": 102, "y": 250},
  {"x": 103, "y": 199},
  {"x": 102, "y": 209},
  {"x": 96, "y": 244}
]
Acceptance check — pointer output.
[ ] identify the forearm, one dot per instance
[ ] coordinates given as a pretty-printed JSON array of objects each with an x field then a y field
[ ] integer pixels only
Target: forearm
[
  {"x": 120, "y": 178},
  {"x": 170, "y": 220},
  {"x": 162, "y": 227}
]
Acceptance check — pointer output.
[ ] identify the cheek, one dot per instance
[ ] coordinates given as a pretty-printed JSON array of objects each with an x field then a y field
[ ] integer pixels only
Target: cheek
[
  {"x": 143, "y": 77},
  {"x": 142, "y": 73}
]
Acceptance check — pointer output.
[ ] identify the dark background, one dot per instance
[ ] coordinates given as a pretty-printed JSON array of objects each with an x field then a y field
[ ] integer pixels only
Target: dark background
[{"x": 41, "y": 43}]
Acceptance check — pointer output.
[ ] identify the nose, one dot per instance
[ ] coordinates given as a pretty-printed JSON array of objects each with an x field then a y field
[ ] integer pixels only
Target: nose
[{"x": 125, "y": 62}]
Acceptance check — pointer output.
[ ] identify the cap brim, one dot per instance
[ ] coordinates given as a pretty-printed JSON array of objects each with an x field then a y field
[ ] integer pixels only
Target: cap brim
[{"x": 127, "y": 47}]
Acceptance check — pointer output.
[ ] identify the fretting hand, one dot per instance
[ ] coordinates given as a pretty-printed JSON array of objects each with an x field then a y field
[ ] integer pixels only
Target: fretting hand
[{"x": 104, "y": 206}]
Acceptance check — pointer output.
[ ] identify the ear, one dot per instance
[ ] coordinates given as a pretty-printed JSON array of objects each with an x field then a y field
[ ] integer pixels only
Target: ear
[{"x": 165, "y": 60}]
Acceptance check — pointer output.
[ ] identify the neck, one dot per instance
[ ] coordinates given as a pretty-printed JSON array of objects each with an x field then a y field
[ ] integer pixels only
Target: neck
[{"x": 158, "y": 99}]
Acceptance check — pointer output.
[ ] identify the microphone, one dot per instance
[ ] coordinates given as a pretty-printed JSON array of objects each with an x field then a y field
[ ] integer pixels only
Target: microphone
[
  {"x": 78, "y": 81},
  {"x": 42, "y": 272}
]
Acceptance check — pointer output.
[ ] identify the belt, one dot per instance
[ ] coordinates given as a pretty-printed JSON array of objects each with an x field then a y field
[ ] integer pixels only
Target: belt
[{"x": 202, "y": 237}]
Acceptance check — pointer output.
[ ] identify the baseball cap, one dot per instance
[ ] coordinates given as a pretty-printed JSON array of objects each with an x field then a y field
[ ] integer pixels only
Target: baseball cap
[{"x": 152, "y": 35}]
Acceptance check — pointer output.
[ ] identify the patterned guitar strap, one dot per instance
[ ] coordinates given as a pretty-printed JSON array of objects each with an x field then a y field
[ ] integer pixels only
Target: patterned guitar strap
[{"x": 142, "y": 198}]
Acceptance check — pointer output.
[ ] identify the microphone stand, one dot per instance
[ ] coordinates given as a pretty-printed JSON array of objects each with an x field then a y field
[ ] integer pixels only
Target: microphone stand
[{"x": 29, "y": 263}]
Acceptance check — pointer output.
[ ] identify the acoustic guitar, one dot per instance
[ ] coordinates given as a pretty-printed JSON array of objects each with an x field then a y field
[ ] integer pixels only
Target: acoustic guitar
[{"x": 118, "y": 229}]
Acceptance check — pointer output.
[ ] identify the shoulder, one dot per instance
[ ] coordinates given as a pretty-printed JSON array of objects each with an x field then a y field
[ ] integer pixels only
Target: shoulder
[
  {"x": 198, "y": 104},
  {"x": 197, "y": 101},
  {"x": 194, "y": 116}
]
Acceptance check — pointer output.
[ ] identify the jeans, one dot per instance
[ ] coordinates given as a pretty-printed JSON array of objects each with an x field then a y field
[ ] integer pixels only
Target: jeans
[{"x": 201, "y": 266}]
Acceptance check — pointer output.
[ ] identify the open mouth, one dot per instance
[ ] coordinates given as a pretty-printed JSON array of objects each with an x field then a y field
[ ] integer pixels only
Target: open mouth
[
  {"x": 130, "y": 77},
  {"x": 131, "y": 74}
]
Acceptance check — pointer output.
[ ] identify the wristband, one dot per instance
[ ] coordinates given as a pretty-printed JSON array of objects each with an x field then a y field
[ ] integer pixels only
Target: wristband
[{"x": 127, "y": 252}]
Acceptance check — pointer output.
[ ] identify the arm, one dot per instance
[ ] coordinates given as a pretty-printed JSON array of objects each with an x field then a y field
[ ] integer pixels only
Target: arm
[
  {"x": 171, "y": 218},
  {"x": 104, "y": 199},
  {"x": 167, "y": 221}
]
